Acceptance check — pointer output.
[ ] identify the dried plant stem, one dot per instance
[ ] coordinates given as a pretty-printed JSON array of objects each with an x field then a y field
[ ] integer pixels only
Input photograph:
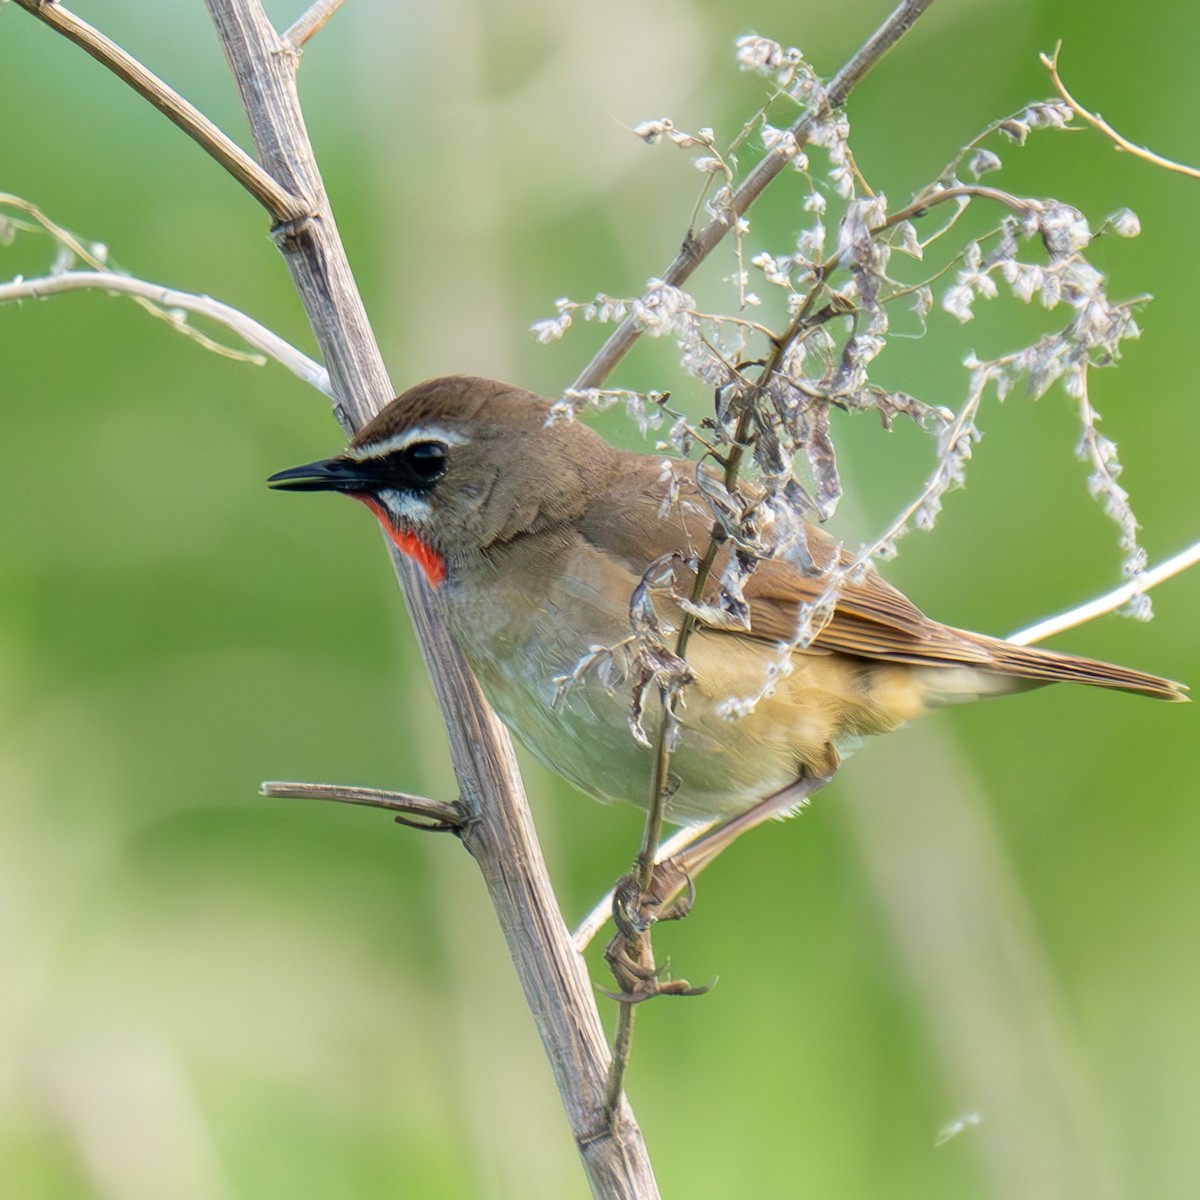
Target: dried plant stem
[
  {"x": 697, "y": 246},
  {"x": 641, "y": 950},
  {"x": 310, "y": 23},
  {"x": 622, "y": 1050},
  {"x": 1110, "y": 601},
  {"x": 652, "y": 833},
  {"x": 655, "y": 815},
  {"x": 280, "y": 203},
  {"x": 499, "y": 831},
  {"x": 161, "y": 300},
  {"x": 436, "y": 815},
  {"x": 939, "y": 195},
  {"x": 1096, "y": 121}
]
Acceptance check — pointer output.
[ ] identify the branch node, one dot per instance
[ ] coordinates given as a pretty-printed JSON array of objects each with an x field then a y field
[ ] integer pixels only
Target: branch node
[
  {"x": 311, "y": 22},
  {"x": 287, "y": 235}
]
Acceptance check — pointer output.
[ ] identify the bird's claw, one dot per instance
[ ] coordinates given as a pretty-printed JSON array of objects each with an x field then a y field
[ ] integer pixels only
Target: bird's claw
[
  {"x": 635, "y": 910},
  {"x": 630, "y": 955},
  {"x": 638, "y": 978},
  {"x": 672, "y": 987}
]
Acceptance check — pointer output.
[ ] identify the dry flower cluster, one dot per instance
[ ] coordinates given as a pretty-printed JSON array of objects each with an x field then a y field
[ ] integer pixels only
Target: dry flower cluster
[{"x": 812, "y": 319}]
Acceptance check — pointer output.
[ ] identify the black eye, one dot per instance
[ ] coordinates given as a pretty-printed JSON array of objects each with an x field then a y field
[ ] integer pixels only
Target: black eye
[{"x": 424, "y": 462}]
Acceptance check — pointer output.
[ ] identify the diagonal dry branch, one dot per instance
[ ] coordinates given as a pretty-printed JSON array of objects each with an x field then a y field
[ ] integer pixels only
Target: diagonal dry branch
[
  {"x": 697, "y": 247},
  {"x": 1110, "y": 601},
  {"x": 499, "y": 831},
  {"x": 1096, "y": 121},
  {"x": 637, "y": 951}
]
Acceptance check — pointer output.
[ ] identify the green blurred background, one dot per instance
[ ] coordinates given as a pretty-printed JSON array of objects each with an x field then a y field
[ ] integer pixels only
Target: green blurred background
[{"x": 205, "y": 994}]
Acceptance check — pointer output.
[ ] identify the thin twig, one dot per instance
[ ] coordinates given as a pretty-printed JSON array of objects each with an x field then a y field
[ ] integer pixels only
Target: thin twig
[
  {"x": 690, "y": 623},
  {"x": 1096, "y": 121},
  {"x": 155, "y": 299},
  {"x": 642, "y": 949},
  {"x": 161, "y": 300},
  {"x": 311, "y": 22},
  {"x": 440, "y": 814},
  {"x": 1110, "y": 601},
  {"x": 697, "y": 247},
  {"x": 971, "y": 191},
  {"x": 639, "y": 948},
  {"x": 280, "y": 203}
]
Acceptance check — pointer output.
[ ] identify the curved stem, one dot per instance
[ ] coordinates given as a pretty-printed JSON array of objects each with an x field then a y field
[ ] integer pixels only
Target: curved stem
[
  {"x": 1110, "y": 601},
  {"x": 1096, "y": 121},
  {"x": 159, "y": 301}
]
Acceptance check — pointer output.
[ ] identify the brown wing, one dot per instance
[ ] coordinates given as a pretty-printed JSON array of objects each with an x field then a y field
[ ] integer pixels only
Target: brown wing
[{"x": 871, "y": 619}]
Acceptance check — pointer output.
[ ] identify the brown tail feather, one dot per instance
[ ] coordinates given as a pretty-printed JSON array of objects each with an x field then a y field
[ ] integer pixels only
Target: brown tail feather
[{"x": 1028, "y": 662}]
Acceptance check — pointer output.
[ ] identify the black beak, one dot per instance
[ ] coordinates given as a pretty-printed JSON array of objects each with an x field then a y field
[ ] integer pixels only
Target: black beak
[{"x": 328, "y": 475}]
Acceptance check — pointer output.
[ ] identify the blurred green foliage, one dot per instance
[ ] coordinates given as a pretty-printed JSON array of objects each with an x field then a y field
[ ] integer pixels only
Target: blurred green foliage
[{"x": 205, "y": 994}]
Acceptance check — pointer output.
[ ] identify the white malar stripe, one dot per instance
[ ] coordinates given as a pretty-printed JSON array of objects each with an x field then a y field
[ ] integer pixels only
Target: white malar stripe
[
  {"x": 398, "y": 441},
  {"x": 407, "y": 507}
]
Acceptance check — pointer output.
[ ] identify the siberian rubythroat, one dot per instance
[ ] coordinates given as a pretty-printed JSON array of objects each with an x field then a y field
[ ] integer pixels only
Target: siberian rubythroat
[{"x": 536, "y": 533}]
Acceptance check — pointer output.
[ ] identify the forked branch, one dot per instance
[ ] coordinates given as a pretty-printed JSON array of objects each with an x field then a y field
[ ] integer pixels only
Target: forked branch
[
  {"x": 166, "y": 303},
  {"x": 310, "y": 23}
]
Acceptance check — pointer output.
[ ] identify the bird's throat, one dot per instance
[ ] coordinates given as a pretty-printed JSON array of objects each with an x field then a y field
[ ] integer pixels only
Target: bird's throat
[{"x": 429, "y": 560}]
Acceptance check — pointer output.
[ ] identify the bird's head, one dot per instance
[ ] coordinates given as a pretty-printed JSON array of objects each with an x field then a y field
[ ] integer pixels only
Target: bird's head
[{"x": 459, "y": 464}]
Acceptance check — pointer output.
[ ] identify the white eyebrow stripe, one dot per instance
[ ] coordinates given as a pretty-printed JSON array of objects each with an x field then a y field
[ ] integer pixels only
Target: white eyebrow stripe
[{"x": 398, "y": 441}]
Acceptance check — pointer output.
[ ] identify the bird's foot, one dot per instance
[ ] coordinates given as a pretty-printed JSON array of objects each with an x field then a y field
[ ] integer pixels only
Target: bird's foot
[
  {"x": 630, "y": 954},
  {"x": 671, "y": 893},
  {"x": 669, "y": 897},
  {"x": 633, "y": 967}
]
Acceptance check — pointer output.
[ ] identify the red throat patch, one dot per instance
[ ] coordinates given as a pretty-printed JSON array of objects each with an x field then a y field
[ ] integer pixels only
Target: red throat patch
[{"x": 429, "y": 560}]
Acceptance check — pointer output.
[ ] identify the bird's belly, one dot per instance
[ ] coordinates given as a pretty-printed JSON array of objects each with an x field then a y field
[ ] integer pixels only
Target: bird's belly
[
  {"x": 582, "y": 729},
  {"x": 584, "y": 734}
]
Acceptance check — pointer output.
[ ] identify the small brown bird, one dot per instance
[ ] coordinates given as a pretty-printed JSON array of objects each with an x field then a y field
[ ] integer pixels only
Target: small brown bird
[{"x": 535, "y": 534}]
